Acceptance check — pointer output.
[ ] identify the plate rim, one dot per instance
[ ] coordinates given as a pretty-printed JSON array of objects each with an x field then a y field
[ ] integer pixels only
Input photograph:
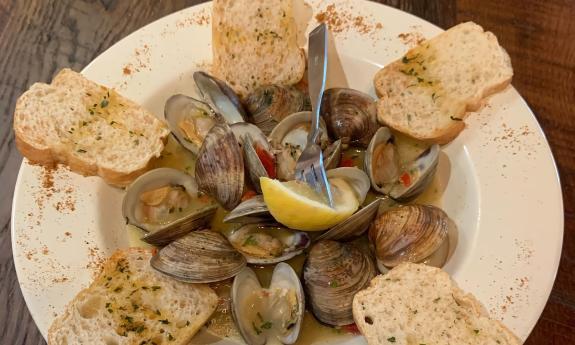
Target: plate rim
[{"x": 547, "y": 147}]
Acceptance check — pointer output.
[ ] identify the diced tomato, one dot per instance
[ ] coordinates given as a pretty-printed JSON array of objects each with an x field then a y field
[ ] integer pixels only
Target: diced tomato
[
  {"x": 346, "y": 162},
  {"x": 248, "y": 194},
  {"x": 267, "y": 160},
  {"x": 352, "y": 328},
  {"x": 405, "y": 179}
]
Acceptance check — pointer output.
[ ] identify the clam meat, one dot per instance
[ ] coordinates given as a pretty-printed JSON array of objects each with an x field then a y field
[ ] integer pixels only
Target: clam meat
[
  {"x": 220, "y": 167},
  {"x": 166, "y": 204},
  {"x": 350, "y": 115},
  {"x": 268, "y": 315},
  {"x": 270, "y": 104},
  {"x": 268, "y": 243},
  {"x": 409, "y": 233},
  {"x": 189, "y": 120},
  {"x": 394, "y": 175},
  {"x": 202, "y": 256},
  {"x": 333, "y": 273}
]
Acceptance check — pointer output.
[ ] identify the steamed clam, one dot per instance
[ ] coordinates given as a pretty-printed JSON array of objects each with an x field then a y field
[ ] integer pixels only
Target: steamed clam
[
  {"x": 189, "y": 120},
  {"x": 409, "y": 233},
  {"x": 221, "y": 98},
  {"x": 268, "y": 243},
  {"x": 289, "y": 139},
  {"x": 166, "y": 203},
  {"x": 350, "y": 115},
  {"x": 268, "y": 315},
  {"x": 333, "y": 273},
  {"x": 220, "y": 167},
  {"x": 270, "y": 104},
  {"x": 203, "y": 256},
  {"x": 392, "y": 174}
]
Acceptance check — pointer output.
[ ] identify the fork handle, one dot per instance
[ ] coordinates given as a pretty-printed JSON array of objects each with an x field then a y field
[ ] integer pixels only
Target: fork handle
[{"x": 317, "y": 73}]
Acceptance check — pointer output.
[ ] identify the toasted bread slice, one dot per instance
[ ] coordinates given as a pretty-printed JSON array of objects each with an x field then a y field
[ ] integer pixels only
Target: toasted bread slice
[
  {"x": 255, "y": 43},
  {"x": 419, "y": 304},
  {"x": 130, "y": 303},
  {"x": 427, "y": 93},
  {"x": 89, "y": 127}
]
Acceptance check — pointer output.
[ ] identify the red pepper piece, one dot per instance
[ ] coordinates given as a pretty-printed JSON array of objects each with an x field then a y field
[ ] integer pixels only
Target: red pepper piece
[
  {"x": 267, "y": 160},
  {"x": 405, "y": 179}
]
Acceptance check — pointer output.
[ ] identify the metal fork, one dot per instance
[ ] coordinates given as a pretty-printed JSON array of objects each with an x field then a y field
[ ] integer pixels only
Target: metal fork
[{"x": 309, "y": 167}]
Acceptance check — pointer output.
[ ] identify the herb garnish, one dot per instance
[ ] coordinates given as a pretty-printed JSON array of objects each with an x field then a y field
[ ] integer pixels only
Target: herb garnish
[
  {"x": 391, "y": 339},
  {"x": 456, "y": 118}
]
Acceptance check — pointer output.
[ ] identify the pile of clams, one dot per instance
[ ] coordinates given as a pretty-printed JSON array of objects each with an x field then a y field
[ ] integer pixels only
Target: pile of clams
[{"x": 211, "y": 224}]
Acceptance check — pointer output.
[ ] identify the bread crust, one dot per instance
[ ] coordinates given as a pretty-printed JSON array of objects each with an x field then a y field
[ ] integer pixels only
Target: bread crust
[
  {"x": 59, "y": 324},
  {"x": 50, "y": 155},
  {"x": 446, "y": 133}
]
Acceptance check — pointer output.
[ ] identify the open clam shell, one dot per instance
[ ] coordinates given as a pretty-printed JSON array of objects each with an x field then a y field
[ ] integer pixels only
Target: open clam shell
[
  {"x": 253, "y": 210},
  {"x": 350, "y": 115},
  {"x": 269, "y": 315},
  {"x": 270, "y": 104},
  {"x": 403, "y": 181},
  {"x": 220, "y": 167},
  {"x": 202, "y": 256},
  {"x": 189, "y": 120},
  {"x": 356, "y": 178},
  {"x": 408, "y": 233},
  {"x": 175, "y": 207},
  {"x": 354, "y": 226},
  {"x": 289, "y": 138},
  {"x": 220, "y": 97},
  {"x": 333, "y": 273},
  {"x": 268, "y": 243}
]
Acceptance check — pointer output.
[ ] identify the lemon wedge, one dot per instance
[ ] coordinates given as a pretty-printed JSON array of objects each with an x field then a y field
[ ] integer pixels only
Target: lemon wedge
[{"x": 297, "y": 206}]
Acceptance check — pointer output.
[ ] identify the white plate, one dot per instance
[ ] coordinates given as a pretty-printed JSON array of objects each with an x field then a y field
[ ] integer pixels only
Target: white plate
[{"x": 503, "y": 189}]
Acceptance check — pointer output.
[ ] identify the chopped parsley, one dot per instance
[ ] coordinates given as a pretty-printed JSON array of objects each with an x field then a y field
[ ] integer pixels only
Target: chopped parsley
[
  {"x": 455, "y": 118},
  {"x": 391, "y": 339},
  {"x": 250, "y": 241},
  {"x": 81, "y": 151},
  {"x": 266, "y": 325}
]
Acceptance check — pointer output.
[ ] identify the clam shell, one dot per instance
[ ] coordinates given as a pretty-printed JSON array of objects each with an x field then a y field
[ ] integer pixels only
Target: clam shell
[
  {"x": 357, "y": 179},
  {"x": 332, "y": 155},
  {"x": 333, "y": 273},
  {"x": 220, "y": 167},
  {"x": 202, "y": 256},
  {"x": 421, "y": 170},
  {"x": 246, "y": 315},
  {"x": 249, "y": 136},
  {"x": 177, "y": 108},
  {"x": 268, "y": 105},
  {"x": 293, "y": 242},
  {"x": 350, "y": 115},
  {"x": 293, "y": 129},
  {"x": 220, "y": 97},
  {"x": 354, "y": 226},
  {"x": 161, "y": 234},
  {"x": 253, "y": 210},
  {"x": 408, "y": 233}
]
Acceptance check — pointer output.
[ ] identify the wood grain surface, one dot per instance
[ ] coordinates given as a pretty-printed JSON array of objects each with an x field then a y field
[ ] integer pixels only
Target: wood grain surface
[{"x": 38, "y": 37}]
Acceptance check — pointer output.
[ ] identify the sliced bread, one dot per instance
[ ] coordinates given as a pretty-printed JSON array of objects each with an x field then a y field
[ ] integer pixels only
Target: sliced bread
[
  {"x": 89, "y": 127},
  {"x": 130, "y": 303},
  {"x": 417, "y": 304},
  {"x": 255, "y": 43},
  {"x": 427, "y": 93}
]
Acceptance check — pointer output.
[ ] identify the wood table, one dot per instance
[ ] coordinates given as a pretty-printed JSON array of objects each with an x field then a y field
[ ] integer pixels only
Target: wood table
[{"x": 39, "y": 37}]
